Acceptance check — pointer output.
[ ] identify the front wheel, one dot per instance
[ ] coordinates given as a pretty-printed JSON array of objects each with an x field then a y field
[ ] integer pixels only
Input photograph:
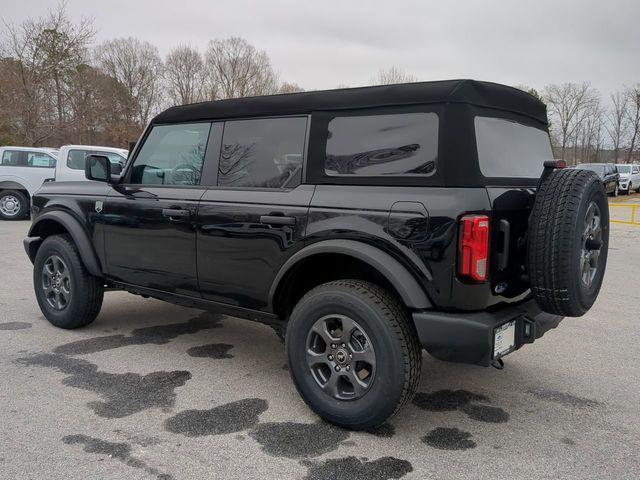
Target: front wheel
[
  {"x": 67, "y": 294},
  {"x": 616, "y": 190},
  {"x": 353, "y": 353}
]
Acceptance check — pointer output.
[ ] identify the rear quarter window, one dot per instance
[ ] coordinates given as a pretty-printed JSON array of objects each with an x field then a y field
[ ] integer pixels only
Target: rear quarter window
[
  {"x": 382, "y": 145},
  {"x": 507, "y": 148}
]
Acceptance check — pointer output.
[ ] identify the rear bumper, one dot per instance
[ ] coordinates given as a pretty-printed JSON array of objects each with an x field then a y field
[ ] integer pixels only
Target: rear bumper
[{"x": 468, "y": 337}]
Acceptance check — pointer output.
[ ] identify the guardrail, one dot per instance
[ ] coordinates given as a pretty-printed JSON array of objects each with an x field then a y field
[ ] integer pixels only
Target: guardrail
[{"x": 615, "y": 216}]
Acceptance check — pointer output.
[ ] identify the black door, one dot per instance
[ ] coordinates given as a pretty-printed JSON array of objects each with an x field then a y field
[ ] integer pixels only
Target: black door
[
  {"x": 255, "y": 219},
  {"x": 150, "y": 238}
]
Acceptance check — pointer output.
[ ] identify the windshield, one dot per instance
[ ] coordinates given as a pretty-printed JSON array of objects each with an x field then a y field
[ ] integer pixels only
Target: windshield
[
  {"x": 624, "y": 168},
  {"x": 599, "y": 169},
  {"x": 510, "y": 149}
]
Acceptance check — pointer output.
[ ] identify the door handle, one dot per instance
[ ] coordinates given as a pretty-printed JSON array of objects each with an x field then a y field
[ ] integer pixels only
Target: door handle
[
  {"x": 175, "y": 213},
  {"x": 277, "y": 220}
]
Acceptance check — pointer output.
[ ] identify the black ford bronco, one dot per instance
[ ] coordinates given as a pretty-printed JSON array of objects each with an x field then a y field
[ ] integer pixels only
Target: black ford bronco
[{"x": 362, "y": 224}]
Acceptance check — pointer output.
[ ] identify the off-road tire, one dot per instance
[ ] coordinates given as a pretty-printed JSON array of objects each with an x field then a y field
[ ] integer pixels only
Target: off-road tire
[
  {"x": 556, "y": 241},
  {"x": 87, "y": 291},
  {"x": 23, "y": 201},
  {"x": 397, "y": 350}
]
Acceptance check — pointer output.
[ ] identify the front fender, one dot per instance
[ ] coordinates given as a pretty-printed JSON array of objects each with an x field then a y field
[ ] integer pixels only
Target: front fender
[
  {"x": 408, "y": 287},
  {"x": 75, "y": 229}
]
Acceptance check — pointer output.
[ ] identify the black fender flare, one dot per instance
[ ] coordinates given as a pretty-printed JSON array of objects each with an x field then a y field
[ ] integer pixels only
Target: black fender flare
[
  {"x": 412, "y": 294},
  {"x": 78, "y": 234}
]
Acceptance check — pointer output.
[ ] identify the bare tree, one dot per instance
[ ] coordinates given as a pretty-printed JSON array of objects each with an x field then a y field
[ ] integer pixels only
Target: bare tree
[
  {"x": 567, "y": 105},
  {"x": 617, "y": 121},
  {"x": 290, "y": 87},
  {"x": 236, "y": 68},
  {"x": 393, "y": 75},
  {"x": 185, "y": 75},
  {"x": 633, "y": 115},
  {"x": 46, "y": 51},
  {"x": 137, "y": 67}
]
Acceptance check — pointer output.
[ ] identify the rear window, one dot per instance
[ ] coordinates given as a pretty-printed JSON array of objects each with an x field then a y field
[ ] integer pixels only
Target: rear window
[
  {"x": 37, "y": 159},
  {"x": 382, "y": 145},
  {"x": 76, "y": 159},
  {"x": 599, "y": 169},
  {"x": 510, "y": 149}
]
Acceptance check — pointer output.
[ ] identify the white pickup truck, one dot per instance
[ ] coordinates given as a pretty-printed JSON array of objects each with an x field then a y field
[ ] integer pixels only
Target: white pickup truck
[{"x": 24, "y": 169}]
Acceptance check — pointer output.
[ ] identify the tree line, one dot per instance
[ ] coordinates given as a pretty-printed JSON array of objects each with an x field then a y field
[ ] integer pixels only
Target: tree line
[{"x": 57, "y": 87}]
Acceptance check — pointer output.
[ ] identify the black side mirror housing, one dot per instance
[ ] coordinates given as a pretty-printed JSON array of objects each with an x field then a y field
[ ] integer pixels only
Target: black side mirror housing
[{"x": 98, "y": 168}]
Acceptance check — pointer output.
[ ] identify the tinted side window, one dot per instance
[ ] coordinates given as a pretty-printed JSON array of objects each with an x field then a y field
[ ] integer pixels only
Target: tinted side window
[
  {"x": 262, "y": 153},
  {"x": 77, "y": 158},
  {"x": 172, "y": 155},
  {"x": 375, "y": 145},
  {"x": 510, "y": 149}
]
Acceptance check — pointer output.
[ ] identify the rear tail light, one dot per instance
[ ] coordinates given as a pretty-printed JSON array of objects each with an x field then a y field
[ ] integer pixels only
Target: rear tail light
[{"x": 474, "y": 247}]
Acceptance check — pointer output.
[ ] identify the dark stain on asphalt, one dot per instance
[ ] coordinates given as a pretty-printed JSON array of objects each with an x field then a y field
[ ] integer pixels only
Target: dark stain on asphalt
[
  {"x": 123, "y": 394},
  {"x": 449, "y": 400},
  {"x": 563, "y": 398},
  {"x": 449, "y": 439},
  {"x": 119, "y": 451},
  {"x": 15, "y": 326},
  {"x": 228, "y": 418},
  {"x": 568, "y": 441},
  {"x": 484, "y": 413},
  {"x": 386, "y": 430},
  {"x": 213, "y": 350},
  {"x": 298, "y": 440},
  {"x": 446, "y": 400},
  {"x": 351, "y": 468},
  {"x": 156, "y": 335}
]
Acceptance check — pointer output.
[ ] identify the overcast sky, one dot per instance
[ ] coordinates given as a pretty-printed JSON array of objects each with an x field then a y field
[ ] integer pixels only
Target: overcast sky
[{"x": 324, "y": 43}]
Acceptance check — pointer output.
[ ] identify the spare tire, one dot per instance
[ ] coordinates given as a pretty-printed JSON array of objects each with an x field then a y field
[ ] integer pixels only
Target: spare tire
[{"x": 567, "y": 242}]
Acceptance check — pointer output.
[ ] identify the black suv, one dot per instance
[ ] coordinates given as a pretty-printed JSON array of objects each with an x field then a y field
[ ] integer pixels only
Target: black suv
[{"x": 362, "y": 224}]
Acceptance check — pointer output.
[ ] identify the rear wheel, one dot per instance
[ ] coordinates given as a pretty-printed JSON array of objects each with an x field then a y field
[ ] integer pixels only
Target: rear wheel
[
  {"x": 14, "y": 205},
  {"x": 353, "y": 353},
  {"x": 568, "y": 242},
  {"x": 67, "y": 294}
]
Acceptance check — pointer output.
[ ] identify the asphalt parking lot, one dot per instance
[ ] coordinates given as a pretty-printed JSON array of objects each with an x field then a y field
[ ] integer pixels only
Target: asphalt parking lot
[{"x": 152, "y": 390}]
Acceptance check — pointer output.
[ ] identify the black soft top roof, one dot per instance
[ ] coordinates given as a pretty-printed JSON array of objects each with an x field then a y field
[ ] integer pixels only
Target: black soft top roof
[{"x": 483, "y": 94}]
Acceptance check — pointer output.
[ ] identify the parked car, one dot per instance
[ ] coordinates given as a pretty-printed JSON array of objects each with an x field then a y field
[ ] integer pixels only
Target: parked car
[
  {"x": 24, "y": 169},
  {"x": 362, "y": 224},
  {"x": 608, "y": 173},
  {"x": 629, "y": 178},
  {"x": 73, "y": 159}
]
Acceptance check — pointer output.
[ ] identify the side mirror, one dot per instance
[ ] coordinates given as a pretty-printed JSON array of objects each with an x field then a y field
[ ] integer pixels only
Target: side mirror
[{"x": 98, "y": 168}]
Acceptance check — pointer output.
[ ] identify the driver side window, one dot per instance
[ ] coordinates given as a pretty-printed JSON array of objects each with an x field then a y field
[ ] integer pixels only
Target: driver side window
[{"x": 172, "y": 155}]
